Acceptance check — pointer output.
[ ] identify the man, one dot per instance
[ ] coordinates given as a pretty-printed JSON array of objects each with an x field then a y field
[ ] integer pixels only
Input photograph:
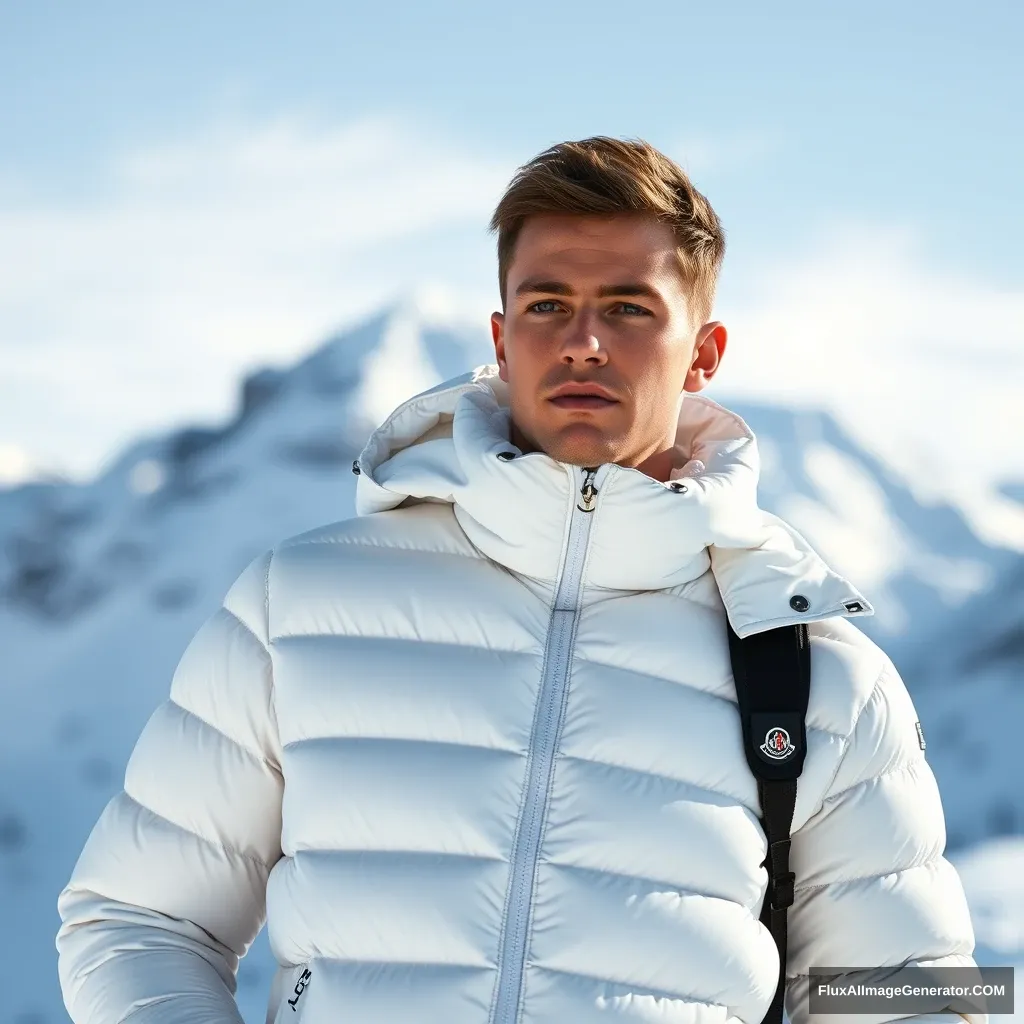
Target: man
[{"x": 475, "y": 754}]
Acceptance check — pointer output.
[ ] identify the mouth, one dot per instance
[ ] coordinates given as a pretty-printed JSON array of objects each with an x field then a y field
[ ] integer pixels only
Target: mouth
[
  {"x": 583, "y": 395},
  {"x": 582, "y": 401}
]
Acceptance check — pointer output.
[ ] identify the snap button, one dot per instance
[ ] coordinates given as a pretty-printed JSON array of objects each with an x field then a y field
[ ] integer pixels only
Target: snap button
[
  {"x": 506, "y": 456},
  {"x": 799, "y": 603},
  {"x": 355, "y": 468},
  {"x": 678, "y": 487}
]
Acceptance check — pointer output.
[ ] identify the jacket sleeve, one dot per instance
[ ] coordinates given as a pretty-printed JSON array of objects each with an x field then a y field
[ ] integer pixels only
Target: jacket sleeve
[
  {"x": 873, "y": 887},
  {"x": 170, "y": 889}
]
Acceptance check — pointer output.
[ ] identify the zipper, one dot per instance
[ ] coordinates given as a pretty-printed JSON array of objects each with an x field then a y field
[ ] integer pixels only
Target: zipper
[
  {"x": 588, "y": 491},
  {"x": 547, "y": 728}
]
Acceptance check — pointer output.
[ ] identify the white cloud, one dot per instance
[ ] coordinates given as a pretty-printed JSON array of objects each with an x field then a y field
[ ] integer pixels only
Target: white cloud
[{"x": 244, "y": 243}]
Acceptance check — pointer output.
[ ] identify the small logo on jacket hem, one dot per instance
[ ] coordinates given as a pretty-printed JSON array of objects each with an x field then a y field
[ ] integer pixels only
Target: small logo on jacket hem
[
  {"x": 300, "y": 987},
  {"x": 777, "y": 744}
]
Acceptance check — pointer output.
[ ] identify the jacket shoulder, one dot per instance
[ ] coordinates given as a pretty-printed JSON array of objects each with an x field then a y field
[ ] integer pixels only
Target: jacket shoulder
[
  {"x": 390, "y": 567},
  {"x": 425, "y": 526},
  {"x": 847, "y": 668}
]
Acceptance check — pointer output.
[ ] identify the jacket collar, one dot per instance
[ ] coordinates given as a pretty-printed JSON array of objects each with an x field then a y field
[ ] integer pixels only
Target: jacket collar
[{"x": 444, "y": 446}]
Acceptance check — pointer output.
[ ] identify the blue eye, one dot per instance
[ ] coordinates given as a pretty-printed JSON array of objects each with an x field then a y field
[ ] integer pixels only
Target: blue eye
[
  {"x": 544, "y": 302},
  {"x": 633, "y": 309}
]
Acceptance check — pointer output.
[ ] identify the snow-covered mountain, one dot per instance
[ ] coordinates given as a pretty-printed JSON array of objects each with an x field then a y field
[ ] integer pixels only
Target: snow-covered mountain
[
  {"x": 915, "y": 562},
  {"x": 102, "y": 585},
  {"x": 969, "y": 688}
]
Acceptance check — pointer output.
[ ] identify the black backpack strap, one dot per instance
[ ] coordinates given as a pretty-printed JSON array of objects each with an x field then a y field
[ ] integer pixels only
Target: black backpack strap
[{"x": 772, "y": 671}]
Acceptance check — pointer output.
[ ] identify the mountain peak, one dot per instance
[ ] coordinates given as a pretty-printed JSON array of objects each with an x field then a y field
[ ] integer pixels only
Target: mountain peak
[
  {"x": 414, "y": 343},
  {"x": 439, "y": 307}
]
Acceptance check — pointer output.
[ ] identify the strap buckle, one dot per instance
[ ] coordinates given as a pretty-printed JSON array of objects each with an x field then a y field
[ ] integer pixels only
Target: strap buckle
[{"x": 780, "y": 879}]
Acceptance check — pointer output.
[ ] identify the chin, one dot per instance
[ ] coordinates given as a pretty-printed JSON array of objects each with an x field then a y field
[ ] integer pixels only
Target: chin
[{"x": 586, "y": 450}]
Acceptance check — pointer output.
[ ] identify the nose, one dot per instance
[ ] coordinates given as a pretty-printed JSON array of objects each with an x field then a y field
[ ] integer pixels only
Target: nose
[{"x": 581, "y": 344}]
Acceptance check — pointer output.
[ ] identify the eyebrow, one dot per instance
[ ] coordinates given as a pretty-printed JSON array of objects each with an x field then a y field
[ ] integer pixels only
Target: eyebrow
[{"x": 633, "y": 289}]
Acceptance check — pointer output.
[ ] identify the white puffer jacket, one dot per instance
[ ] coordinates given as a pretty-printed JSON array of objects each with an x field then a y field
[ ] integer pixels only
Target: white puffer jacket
[{"x": 476, "y": 757}]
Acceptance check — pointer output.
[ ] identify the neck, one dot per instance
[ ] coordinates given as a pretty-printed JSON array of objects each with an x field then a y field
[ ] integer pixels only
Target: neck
[{"x": 657, "y": 465}]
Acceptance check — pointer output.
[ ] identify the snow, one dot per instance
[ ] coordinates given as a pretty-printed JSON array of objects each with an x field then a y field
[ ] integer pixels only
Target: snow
[
  {"x": 993, "y": 878},
  {"x": 16, "y": 465},
  {"x": 104, "y": 583}
]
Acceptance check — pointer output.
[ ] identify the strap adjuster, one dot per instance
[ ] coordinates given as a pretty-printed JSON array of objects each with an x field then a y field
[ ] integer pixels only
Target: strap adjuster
[
  {"x": 781, "y": 891},
  {"x": 777, "y": 859}
]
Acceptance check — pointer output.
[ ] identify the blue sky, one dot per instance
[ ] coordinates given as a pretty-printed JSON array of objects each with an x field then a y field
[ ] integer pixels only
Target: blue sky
[
  {"x": 905, "y": 110},
  {"x": 189, "y": 189}
]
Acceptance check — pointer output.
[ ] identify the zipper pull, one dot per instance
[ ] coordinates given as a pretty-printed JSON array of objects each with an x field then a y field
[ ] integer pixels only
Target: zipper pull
[{"x": 588, "y": 491}]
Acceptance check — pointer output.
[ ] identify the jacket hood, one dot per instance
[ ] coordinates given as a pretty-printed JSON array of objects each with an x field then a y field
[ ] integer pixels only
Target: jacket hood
[{"x": 443, "y": 445}]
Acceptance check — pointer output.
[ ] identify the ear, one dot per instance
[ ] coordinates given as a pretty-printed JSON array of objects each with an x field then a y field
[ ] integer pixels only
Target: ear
[
  {"x": 708, "y": 349},
  {"x": 498, "y": 335}
]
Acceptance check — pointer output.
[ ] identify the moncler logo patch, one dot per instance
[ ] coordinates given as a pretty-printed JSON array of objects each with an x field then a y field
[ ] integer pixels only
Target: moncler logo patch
[{"x": 777, "y": 744}]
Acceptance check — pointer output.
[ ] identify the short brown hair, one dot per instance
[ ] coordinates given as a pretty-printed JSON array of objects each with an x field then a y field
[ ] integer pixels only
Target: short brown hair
[{"x": 601, "y": 175}]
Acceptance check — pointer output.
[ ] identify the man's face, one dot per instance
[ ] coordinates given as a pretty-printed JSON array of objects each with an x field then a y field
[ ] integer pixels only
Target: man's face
[{"x": 600, "y": 301}]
